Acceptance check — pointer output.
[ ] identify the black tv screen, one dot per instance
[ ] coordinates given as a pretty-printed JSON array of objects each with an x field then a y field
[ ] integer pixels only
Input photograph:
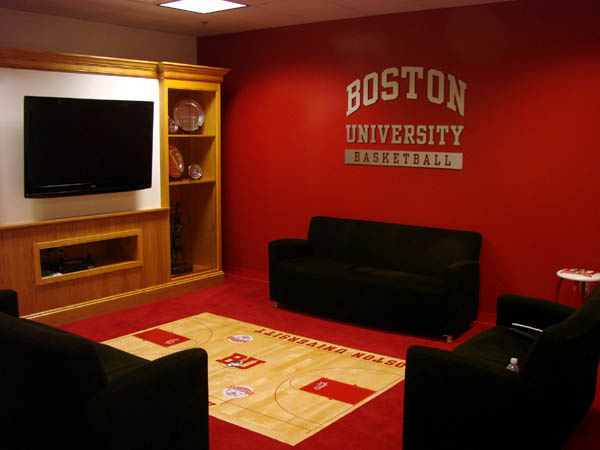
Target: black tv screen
[{"x": 86, "y": 146}]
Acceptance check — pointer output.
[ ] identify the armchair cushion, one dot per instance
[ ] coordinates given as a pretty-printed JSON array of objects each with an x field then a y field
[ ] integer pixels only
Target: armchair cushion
[{"x": 494, "y": 347}]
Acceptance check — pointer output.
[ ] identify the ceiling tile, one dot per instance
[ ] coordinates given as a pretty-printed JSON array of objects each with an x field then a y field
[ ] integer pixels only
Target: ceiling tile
[{"x": 145, "y": 14}]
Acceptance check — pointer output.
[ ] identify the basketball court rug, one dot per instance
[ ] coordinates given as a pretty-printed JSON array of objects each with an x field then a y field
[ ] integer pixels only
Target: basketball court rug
[{"x": 281, "y": 385}]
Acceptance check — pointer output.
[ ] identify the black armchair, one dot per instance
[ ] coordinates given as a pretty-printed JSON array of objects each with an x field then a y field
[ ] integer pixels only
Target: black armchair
[
  {"x": 62, "y": 391},
  {"x": 467, "y": 399}
]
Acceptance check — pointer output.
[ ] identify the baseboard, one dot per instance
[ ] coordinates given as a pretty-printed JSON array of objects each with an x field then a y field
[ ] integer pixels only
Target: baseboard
[
  {"x": 242, "y": 272},
  {"x": 93, "y": 308},
  {"x": 486, "y": 318}
]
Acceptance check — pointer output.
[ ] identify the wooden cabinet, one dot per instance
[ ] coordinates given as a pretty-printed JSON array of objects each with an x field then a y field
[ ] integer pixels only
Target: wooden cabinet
[
  {"x": 125, "y": 255},
  {"x": 195, "y": 204}
]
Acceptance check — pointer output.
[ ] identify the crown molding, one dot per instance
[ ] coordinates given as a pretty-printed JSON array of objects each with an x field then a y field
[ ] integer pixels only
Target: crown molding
[{"x": 66, "y": 62}]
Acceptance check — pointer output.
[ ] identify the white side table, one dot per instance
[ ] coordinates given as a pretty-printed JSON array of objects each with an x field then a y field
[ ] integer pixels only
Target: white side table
[{"x": 582, "y": 279}]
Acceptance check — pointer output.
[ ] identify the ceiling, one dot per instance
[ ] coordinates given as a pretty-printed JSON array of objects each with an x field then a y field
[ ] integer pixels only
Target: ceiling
[{"x": 260, "y": 14}]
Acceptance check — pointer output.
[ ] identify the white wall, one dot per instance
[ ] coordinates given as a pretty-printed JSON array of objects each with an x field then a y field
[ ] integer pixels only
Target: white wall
[
  {"x": 57, "y": 34},
  {"x": 14, "y": 85}
]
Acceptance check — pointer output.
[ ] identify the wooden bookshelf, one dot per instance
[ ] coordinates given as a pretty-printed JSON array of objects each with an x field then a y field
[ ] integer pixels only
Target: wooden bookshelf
[{"x": 197, "y": 202}]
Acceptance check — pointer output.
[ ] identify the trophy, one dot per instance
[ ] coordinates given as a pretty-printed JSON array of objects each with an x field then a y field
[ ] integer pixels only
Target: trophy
[{"x": 178, "y": 264}]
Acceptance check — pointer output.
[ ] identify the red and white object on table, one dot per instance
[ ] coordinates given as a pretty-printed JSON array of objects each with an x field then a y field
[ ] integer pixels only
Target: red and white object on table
[{"x": 582, "y": 279}]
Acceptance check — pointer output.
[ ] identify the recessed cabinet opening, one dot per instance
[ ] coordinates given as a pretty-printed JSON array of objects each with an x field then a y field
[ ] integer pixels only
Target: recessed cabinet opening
[
  {"x": 85, "y": 256},
  {"x": 194, "y": 243}
]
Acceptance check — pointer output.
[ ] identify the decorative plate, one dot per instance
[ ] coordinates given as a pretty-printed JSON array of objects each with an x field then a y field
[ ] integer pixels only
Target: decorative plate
[
  {"x": 188, "y": 114},
  {"x": 195, "y": 171},
  {"x": 175, "y": 162},
  {"x": 173, "y": 127}
]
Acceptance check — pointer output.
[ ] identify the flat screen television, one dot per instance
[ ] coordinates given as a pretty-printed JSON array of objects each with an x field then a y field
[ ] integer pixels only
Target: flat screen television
[{"x": 78, "y": 146}]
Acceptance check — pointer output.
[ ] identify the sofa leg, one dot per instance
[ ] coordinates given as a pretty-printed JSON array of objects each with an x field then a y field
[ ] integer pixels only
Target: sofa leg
[
  {"x": 449, "y": 338},
  {"x": 275, "y": 304}
]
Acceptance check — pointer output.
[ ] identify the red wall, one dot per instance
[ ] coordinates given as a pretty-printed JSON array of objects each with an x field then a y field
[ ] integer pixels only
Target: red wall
[{"x": 529, "y": 182}]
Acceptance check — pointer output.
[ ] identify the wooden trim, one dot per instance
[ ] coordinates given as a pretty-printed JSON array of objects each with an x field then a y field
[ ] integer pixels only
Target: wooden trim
[
  {"x": 87, "y": 239},
  {"x": 188, "y": 72},
  {"x": 93, "y": 308},
  {"x": 82, "y": 218},
  {"x": 66, "y": 62}
]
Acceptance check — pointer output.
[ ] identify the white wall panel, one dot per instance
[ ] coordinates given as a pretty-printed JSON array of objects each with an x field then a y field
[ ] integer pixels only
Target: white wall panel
[{"x": 14, "y": 85}]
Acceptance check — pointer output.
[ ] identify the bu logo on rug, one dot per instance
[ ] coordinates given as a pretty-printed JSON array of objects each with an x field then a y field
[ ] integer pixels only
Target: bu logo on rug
[{"x": 240, "y": 361}]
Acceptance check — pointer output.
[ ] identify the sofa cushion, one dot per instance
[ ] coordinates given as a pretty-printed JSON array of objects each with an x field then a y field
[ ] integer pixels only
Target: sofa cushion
[
  {"x": 51, "y": 360},
  {"x": 404, "y": 281},
  {"x": 57, "y": 373},
  {"x": 313, "y": 265},
  {"x": 353, "y": 274},
  {"x": 369, "y": 295},
  {"x": 392, "y": 246},
  {"x": 115, "y": 362}
]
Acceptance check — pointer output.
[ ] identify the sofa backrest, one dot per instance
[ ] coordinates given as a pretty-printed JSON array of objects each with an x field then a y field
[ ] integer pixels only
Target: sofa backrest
[
  {"x": 566, "y": 355},
  {"x": 393, "y": 246}
]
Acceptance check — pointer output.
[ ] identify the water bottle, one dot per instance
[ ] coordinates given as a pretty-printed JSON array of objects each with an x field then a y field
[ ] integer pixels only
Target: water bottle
[{"x": 513, "y": 365}]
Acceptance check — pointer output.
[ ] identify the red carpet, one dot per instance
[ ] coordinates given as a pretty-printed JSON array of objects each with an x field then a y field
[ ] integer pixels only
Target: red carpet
[{"x": 376, "y": 425}]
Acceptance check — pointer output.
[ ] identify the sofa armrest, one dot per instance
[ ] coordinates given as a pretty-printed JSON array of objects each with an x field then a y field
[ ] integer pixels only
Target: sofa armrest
[
  {"x": 463, "y": 279},
  {"x": 451, "y": 401},
  {"x": 530, "y": 311},
  {"x": 9, "y": 303},
  {"x": 282, "y": 249},
  {"x": 163, "y": 404},
  {"x": 467, "y": 271}
]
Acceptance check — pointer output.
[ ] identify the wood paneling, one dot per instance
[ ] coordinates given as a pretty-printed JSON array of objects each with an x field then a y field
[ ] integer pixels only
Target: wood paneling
[
  {"x": 92, "y": 308},
  {"x": 20, "y": 266}
]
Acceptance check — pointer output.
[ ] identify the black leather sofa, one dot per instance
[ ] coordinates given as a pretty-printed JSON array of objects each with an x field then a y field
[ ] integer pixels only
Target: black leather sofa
[
  {"x": 467, "y": 399},
  {"x": 400, "y": 277},
  {"x": 61, "y": 391}
]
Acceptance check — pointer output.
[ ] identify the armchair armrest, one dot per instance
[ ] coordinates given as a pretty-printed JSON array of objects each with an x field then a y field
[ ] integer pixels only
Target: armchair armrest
[
  {"x": 163, "y": 404},
  {"x": 9, "y": 303},
  {"x": 282, "y": 249},
  {"x": 530, "y": 311},
  {"x": 451, "y": 401}
]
